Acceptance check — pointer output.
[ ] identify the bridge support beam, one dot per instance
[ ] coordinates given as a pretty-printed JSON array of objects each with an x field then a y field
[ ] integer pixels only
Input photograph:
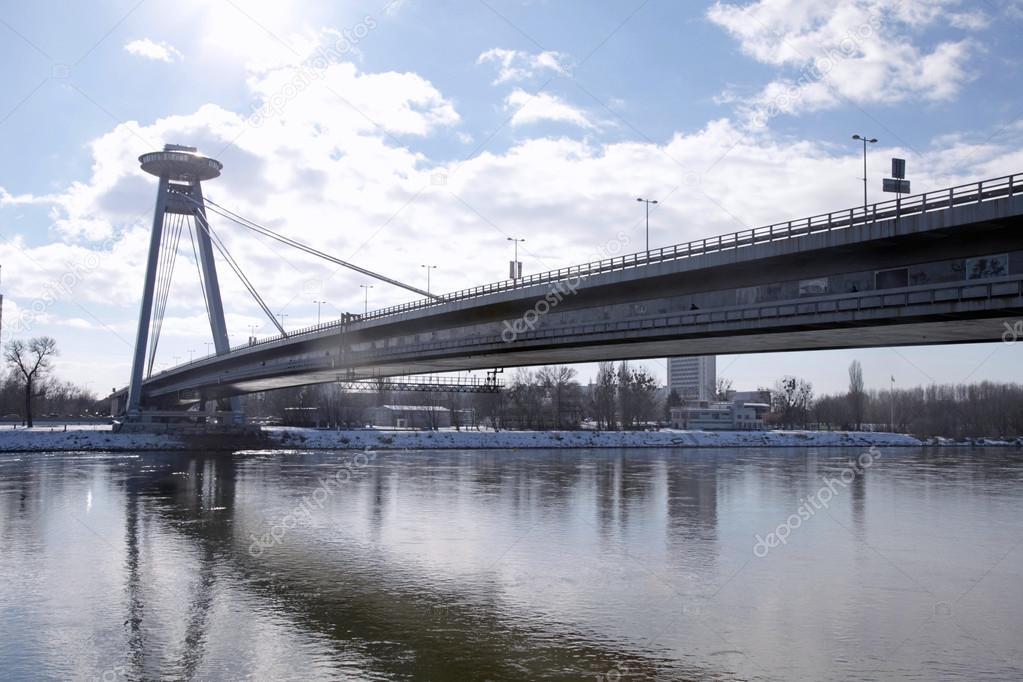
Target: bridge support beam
[
  {"x": 218, "y": 326},
  {"x": 138, "y": 364}
]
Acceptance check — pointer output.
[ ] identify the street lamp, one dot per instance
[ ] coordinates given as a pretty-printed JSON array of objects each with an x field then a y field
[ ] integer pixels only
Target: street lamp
[
  {"x": 191, "y": 354},
  {"x": 366, "y": 287},
  {"x": 865, "y": 140},
  {"x": 282, "y": 316},
  {"x": 318, "y": 304},
  {"x": 516, "y": 268},
  {"x": 428, "y": 268},
  {"x": 209, "y": 344},
  {"x": 647, "y": 202}
]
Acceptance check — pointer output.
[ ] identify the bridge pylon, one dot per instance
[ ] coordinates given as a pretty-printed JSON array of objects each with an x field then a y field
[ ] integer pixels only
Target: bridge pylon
[{"x": 179, "y": 204}]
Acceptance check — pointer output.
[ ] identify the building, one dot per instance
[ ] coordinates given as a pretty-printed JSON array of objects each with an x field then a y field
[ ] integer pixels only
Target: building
[
  {"x": 714, "y": 415},
  {"x": 303, "y": 416},
  {"x": 409, "y": 416},
  {"x": 693, "y": 377}
]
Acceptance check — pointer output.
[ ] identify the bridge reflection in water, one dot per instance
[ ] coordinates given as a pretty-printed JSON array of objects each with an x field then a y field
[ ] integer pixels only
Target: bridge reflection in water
[{"x": 506, "y": 565}]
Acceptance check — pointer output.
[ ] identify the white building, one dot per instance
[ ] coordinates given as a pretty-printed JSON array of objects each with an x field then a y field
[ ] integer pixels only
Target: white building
[
  {"x": 711, "y": 415},
  {"x": 694, "y": 377}
]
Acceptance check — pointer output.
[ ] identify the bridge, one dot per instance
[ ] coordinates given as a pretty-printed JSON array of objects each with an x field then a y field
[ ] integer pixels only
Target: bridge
[{"x": 936, "y": 268}]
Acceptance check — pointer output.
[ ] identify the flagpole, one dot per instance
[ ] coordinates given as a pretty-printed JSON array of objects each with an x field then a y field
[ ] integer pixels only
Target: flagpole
[{"x": 891, "y": 405}]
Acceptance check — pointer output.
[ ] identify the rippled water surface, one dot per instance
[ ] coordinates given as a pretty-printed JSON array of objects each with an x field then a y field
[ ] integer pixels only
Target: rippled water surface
[{"x": 500, "y": 565}]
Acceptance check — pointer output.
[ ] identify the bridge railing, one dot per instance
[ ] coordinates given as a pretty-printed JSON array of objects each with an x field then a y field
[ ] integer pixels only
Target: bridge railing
[{"x": 971, "y": 193}]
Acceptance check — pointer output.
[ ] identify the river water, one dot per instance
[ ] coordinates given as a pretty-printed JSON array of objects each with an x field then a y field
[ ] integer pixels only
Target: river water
[{"x": 513, "y": 565}]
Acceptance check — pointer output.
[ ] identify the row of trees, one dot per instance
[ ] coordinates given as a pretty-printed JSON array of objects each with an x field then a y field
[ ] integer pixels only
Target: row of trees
[
  {"x": 551, "y": 398},
  {"x": 29, "y": 388},
  {"x": 946, "y": 410}
]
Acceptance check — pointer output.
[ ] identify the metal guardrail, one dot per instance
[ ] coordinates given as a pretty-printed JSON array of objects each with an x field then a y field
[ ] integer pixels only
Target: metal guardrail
[{"x": 971, "y": 193}]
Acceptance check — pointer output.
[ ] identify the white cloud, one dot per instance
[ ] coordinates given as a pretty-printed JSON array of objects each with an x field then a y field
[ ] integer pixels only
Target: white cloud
[
  {"x": 162, "y": 51},
  {"x": 863, "y": 51},
  {"x": 970, "y": 21},
  {"x": 516, "y": 65},
  {"x": 543, "y": 107}
]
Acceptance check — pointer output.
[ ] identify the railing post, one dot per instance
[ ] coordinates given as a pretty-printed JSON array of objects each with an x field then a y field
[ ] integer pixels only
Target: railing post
[
  {"x": 1010, "y": 184},
  {"x": 980, "y": 191},
  {"x": 951, "y": 197}
]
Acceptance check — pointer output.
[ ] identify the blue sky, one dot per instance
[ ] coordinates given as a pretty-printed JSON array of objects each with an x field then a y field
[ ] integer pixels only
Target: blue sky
[{"x": 429, "y": 131}]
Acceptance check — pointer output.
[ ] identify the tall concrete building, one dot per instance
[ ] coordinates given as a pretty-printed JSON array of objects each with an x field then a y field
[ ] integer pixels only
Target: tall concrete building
[{"x": 694, "y": 377}]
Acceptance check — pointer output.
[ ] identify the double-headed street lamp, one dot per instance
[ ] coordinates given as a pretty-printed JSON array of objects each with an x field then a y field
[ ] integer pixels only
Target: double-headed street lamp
[
  {"x": 366, "y": 288},
  {"x": 516, "y": 269},
  {"x": 865, "y": 140},
  {"x": 647, "y": 202},
  {"x": 318, "y": 304},
  {"x": 428, "y": 268}
]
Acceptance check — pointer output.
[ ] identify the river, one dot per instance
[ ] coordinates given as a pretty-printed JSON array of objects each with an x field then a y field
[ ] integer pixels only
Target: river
[{"x": 752, "y": 564}]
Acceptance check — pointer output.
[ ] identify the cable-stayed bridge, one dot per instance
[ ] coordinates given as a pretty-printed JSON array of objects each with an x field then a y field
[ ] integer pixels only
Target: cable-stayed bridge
[{"x": 941, "y": 267}]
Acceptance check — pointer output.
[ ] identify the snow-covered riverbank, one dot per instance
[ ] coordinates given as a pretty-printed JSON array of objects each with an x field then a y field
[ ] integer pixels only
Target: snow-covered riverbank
[
  {"x": 450, "y": 439},
  {"x": 89, "y": 438}
]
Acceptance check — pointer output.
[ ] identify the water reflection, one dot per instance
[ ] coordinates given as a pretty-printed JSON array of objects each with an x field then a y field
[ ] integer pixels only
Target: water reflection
[{"x": 509, "y": 565}]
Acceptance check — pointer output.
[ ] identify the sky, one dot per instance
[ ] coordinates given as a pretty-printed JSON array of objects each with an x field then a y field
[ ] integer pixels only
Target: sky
[{"x": 408, "y": 133}]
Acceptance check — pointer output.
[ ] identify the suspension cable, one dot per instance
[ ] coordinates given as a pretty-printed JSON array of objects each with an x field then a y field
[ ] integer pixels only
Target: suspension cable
[
  {"x": 165, "y": 273},
  {"x": 267, "y": 232},
  {"x": 222, "y": 248},
  {"x": 198, "y": 267}
]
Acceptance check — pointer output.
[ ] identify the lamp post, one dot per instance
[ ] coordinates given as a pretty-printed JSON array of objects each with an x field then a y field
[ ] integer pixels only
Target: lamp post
[
  {"x": 318, "y": 304},
  {"x": 366, "y": 288},
  {"x": 865, "y": 140},
  {"x": 282, "y": 316},
  {"x": 516, "y": 270},
  {"x": 191, "y": 354},
  {"x": 428, "y": 268},
  {"x": 209, "y": 344},
  {"x": 891, "y": 406},
  {"x": 647, "y": 202}
]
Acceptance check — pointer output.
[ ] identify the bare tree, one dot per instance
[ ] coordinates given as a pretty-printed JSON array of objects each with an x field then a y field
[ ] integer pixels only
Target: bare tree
[
  {"x": 636, "y": 391},
  {"x": 558, "y": 382},
  {"x": 604, "y": 397},
  {"x": 857, "y": 396},
  {"x": 792, "y": 398},
  {"x": 723, "y": 388},
  {"x": 32, "y": 360}
]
